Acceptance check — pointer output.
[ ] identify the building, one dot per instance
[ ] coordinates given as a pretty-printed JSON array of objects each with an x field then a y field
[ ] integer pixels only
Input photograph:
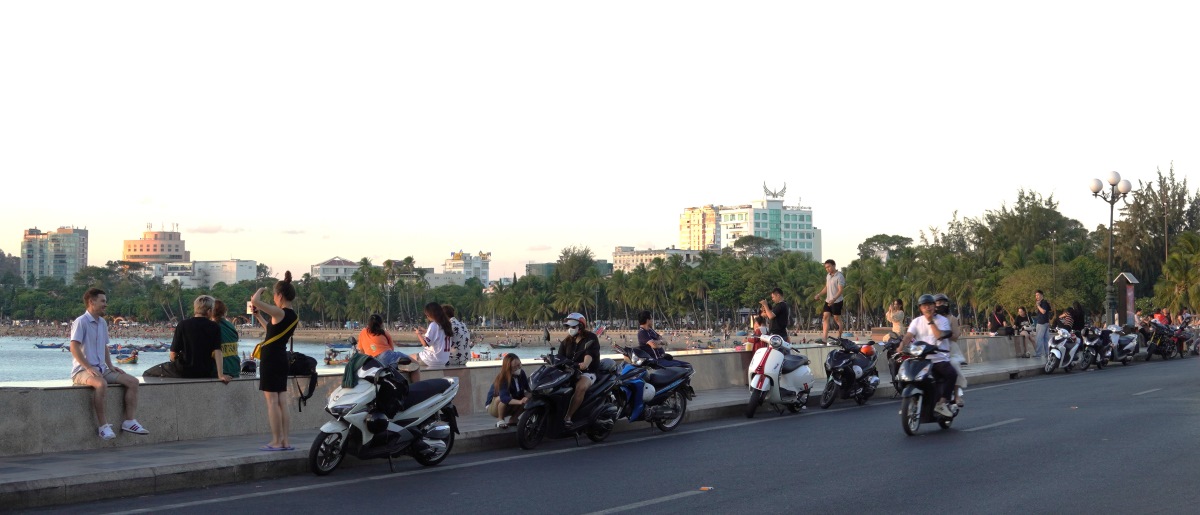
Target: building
[
  {"x": 700, "y": 228},
  {"x": 790, "y": 226},
  {"x": 626, "y": 258},
  {"x": 469, "y": 266},
  {"x": 61, "y": 254},
  {"x": 333, "y": 269},
  {"x": 157, "y": 247},
  {"x": 204, "y": 274}
]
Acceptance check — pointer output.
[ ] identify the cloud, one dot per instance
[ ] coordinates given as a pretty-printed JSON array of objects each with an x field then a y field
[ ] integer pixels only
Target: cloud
[
  {"x": 294, "y": 232},
  {"x": 539, "y": 248},
  {"x": 215, "y": 229}
]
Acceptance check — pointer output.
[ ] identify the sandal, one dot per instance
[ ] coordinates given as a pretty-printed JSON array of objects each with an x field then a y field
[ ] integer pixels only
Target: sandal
[{"x": 500, "y": 424}]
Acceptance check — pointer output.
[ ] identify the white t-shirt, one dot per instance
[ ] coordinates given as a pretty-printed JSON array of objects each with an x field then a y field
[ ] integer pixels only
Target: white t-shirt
[
  {"x": 921, "y": 332},
  {"x": 835, "y": 282},
  {"x": 436, "y": 338}
]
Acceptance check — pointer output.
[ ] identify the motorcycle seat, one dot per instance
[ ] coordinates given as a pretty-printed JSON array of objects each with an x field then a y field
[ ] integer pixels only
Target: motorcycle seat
[
  {"x": 421, "y": 391},
  {"x": 665, "y": 376},
  {"x": 791, "y": 363}
]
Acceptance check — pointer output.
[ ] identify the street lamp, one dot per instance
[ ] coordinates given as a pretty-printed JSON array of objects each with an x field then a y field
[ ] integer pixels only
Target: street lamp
[{"x": 1118, "y": 188}]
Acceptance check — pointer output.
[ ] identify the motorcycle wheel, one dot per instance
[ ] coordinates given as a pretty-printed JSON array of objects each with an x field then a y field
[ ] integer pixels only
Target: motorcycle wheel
[
  {"x": 1051, "y": 364},
  {"x": 860, "y": 399},
  {"x": 944, "y": 423},
  {"x": 829, "y": 395},
  {"x": 910, "y": 414},
  {"x": 532, "y": 427},
  {"x": 326, "y": 453},
  {"x": 1101, "y": 363},
  {"x": 1150, "y": 352},
  {"x": 797, "y": 406},
  {"x": 598, "y": 434},
  {"x": 680, "y": 402},
  {"x": 438, "y": 458},
  {"x": 1169, "y": 351},
  {"x": 1085, "y": 361},
  {"x": 756, "y": 400}
]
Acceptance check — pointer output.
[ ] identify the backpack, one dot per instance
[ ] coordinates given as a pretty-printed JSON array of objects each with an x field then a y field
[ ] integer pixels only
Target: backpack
[{"x": 302, "y": 365}]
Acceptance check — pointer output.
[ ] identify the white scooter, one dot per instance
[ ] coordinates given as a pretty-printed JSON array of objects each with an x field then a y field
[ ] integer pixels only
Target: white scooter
[
  {"x": 383, "y": 416},
  {"x": 779, "y": 377},
  {"x": 1064, "y": 351}
]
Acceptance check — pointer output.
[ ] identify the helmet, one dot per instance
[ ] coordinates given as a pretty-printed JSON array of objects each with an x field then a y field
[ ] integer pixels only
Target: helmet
[
  {"x": 926, "y": 299},
  {"x": 574, "y": 319},
  {"x": 377, "y": 422},
  {"x": 867, "y": 350},
  {"x": 941, "y": 297},
  {"x": 776, "y": 341}
]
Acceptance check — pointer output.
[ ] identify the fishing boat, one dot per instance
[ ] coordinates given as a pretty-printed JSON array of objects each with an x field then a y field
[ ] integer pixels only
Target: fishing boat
[
  {"x": 157, "y": 347},
  {"x": 339, "y": 345},
  {"x": 130, "y": 359},
  {"x": 505, "y": 345},
  {"x": 49, "y": 345}
]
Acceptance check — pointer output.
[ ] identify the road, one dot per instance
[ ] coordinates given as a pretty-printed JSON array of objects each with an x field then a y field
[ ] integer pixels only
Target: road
[{"x": 1120, "y": 440}]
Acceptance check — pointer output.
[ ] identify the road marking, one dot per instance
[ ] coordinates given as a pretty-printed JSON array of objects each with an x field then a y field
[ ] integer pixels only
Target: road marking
[
  {"x": 1146, "y": 392},
  {"x": 650, "y": 502},
  {"x": 989, "y": 426},
  {"x": 440, "y": 468}
]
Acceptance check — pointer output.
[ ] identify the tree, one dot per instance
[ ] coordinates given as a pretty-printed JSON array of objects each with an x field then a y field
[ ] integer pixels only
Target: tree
[
  {"x": 573, "y": 263},
  {"x": 755, "y": 246},
  {"x": 1159, "y": 211},
  {"x": 882, "y": 244},
  {"x": 262, "y": 271}
]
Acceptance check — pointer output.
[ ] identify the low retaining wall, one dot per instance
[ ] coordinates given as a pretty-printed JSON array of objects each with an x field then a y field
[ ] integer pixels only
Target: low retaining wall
[{"x": 59, "y": 418}]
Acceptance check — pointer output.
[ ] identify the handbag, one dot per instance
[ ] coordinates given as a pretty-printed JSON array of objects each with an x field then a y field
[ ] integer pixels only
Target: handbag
[{"x": 257, "y": 354}]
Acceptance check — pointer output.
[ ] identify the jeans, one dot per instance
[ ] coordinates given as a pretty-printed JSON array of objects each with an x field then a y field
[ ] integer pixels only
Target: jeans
[
  {"x": 389, "y": 358},
  {"x": 1043, "y": 340}
]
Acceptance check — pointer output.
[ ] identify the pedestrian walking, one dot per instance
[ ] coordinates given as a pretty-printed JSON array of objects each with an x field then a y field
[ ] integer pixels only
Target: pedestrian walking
[{"x": 835, "y": 284}]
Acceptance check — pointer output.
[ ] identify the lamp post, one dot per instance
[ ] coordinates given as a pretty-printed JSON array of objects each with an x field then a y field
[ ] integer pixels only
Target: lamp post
[{"x": 1117, "y": 189}]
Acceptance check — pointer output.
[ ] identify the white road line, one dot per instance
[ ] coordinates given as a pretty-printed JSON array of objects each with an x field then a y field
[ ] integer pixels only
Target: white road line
[
  {"x": 989, "y": 426},
  {"x": 440, "y": 468},
  {"x": 1146, "y": 392},
  {"x": 650, "y": 502}
]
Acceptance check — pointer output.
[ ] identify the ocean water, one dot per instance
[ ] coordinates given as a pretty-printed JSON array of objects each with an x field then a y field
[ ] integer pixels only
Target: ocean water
[{"x": 21, "y": 361}]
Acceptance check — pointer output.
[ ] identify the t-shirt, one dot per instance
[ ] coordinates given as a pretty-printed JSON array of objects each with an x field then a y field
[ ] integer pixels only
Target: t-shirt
[
  {"x": 231, "y": 363},
  {"x": 646, "y": 335},
  {"x": 919, "y": 328},
  {"x": 195, "y": 340},
  {"x": 438, "y": 351},
  {"x": 782, "y": 320},
  {"x": 835, "y": 282},
  {"x": 583, "y": 344},
  {"x": 374, "y": 344},
  {"x": 1042, "y": 318},
  {"x": 460, "y": 343},
  {"x": 996, "y": 320},
  {"x": 92, "y": 334}
]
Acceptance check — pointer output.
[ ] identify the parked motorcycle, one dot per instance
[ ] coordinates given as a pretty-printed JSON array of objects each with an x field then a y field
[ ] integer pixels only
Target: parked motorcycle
[
  {"x": 851, "y": 373},
  {"x": 1126, "y": 343},
  {"x": 1161, "y": 341},
  {"x": 919, "y": 395},
  {"x": 553, "y": 386},
  {"x": 780, "y": 377},
  {"x": 895, "y": 358},
  {"x": 1064, "y": 351},
  {"x": 649, "y": 392},
  {"x": 383, "y": 416},
  {"x": 1097, "y": 348}
]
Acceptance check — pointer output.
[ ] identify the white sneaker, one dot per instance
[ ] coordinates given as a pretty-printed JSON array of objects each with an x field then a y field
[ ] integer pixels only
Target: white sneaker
[
  {"x": 106, "y": 432},
  {"x": 943, "y": 410},
  {"x": 132, "y": 426}
]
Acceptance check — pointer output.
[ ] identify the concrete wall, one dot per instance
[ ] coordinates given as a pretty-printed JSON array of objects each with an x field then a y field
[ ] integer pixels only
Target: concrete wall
[{"x": 55, "y": 419}]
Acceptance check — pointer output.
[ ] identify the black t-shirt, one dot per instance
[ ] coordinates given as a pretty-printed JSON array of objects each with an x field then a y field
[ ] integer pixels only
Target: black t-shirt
[
  {"x": 583, "y": 344},
  {"x": 1042, "y": 318},
  {"x": 195, "y": 340},
  {"x": 996, "y": 320},
  {"x": 782, "y": 319},
  {"x": 645, "y": 335}
]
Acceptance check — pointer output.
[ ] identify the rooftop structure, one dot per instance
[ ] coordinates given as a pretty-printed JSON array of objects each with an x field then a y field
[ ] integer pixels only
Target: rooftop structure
[{"x": 157, "y": 247}]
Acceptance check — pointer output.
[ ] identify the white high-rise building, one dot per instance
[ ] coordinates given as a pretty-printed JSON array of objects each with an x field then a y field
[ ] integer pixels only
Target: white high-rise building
[
  {"x": 791, "y": 226},
  {"x": 469, "y": 266},
  {"x": 204, "y": 274},
  {"x": 61, "y": 254}
]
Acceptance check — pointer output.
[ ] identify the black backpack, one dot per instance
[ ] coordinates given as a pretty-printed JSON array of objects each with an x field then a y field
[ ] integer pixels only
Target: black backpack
[{"x": 302, "y": 365}]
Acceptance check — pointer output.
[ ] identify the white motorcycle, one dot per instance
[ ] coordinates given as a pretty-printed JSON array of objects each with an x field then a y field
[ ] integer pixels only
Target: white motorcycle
[
  {"x": 779, "y": 377},
  {"x": 383, "y": 416},
  {"x": 1064, "y": 351}
]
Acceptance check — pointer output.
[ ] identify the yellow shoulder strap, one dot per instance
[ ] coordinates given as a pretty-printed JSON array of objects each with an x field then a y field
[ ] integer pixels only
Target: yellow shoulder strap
[{"x": 285, "y": 331}]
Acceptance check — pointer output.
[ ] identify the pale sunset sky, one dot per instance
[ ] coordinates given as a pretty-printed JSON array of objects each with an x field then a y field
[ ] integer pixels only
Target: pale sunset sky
[{"x": 291, "y": 132}]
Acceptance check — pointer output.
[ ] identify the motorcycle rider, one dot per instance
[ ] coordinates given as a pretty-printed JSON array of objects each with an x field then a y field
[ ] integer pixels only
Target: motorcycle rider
[
  {"x": 582, "y": 347},
  {"x": 934, "y": 329},
  {"x": 957, "y": 359}
]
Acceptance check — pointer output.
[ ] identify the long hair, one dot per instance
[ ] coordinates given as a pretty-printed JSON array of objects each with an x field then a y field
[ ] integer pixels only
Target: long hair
[
  {"x": 285, "y": 288},
  {"x": 435, "y": 311},
  {"x": 219, "y": 309},
  {"x": 375, "y": 324},
  {"x": 504, "y": 378}
]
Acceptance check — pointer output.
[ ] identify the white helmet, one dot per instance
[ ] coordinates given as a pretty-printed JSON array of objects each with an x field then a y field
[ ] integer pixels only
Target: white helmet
[{"x": 574, "y": 319}]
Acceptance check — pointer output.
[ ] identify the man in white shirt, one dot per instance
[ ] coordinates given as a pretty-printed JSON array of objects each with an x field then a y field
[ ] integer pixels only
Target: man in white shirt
[
  {"x": 835, "y": 283},
  {"x": 934, "y": 329}
]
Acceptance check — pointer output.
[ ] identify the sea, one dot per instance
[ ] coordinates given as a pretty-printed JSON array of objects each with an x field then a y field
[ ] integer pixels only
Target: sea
[{"x": 23, "y": 364}]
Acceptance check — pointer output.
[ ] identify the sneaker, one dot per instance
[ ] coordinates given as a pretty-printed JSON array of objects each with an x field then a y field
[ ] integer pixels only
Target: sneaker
[
  {"x": 819, "y": 340},
  {"x": 943, "y": 410},
  {"x": 106, "y": 432},
  {"x": 132, "y": 426}
]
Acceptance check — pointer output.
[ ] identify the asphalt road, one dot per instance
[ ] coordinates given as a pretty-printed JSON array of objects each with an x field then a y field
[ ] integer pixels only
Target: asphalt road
[{"x": 1121, "y": 440}]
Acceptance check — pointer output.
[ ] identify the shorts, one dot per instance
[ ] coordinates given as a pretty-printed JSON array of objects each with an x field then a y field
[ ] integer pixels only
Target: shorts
[
  {"x": 591, "y": 377},
  {"x": 80, "y": 379},
  {"x": 834, "y": 309}
]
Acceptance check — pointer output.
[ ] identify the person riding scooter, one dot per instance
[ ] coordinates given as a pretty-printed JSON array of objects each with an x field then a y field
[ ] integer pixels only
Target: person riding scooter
[
  {"x": 583, "y": 347},
  {"x": 934, "y": 329}
]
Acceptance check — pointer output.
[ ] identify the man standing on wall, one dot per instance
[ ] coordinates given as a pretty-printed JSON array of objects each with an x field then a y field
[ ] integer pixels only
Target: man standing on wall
[
  {"x": 835, "y": 283},
  {"x": 1041, "y": 316}
]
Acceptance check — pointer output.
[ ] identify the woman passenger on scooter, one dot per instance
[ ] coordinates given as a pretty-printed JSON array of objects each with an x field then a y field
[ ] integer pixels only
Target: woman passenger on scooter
[
  {"x": 934, "y": 329},
  {"x": 583, "y": 348}
]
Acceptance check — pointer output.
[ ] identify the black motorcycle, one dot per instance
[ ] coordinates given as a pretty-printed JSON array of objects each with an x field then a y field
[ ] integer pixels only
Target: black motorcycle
[
  {"x": 920, "y": 390},
  {"x": 1160, "y": 340},
  {"x": 552, "y": 387},
  {"x": 851, "y": 372},
  {"x": 1097, "y": 348}
]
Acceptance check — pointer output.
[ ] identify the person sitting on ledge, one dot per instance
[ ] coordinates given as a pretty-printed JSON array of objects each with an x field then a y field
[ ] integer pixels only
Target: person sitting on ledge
[
  {"x": 196, "y": 349},
  {"x": 94, "y": 368}
]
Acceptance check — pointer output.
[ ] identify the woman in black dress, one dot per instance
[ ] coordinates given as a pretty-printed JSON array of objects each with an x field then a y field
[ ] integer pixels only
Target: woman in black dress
[{"x": 280, "y": 321}]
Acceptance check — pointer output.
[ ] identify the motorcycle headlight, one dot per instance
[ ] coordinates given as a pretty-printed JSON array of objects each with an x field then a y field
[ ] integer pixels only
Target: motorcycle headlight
[{"x": 340, "y": 410}]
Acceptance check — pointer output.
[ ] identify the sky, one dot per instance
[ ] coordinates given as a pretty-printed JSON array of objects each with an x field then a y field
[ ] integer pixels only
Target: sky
[{"x": 292, "y": 132}]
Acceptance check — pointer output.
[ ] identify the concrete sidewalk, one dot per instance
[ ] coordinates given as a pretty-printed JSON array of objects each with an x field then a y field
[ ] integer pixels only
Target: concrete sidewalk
[{"x": 77, "y": 476}]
